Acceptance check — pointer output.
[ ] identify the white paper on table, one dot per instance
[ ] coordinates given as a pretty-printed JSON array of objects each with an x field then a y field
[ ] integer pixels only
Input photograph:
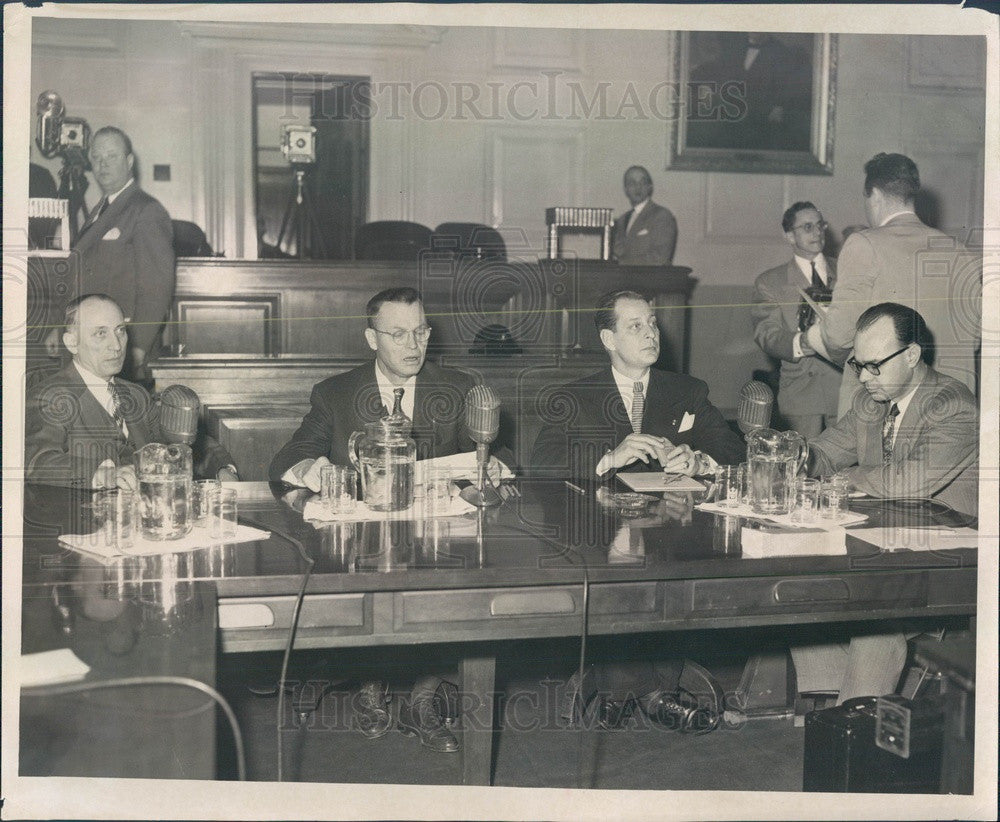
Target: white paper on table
[
  {"x": 918, "y": 539},
  {"x": 456, "y": 466},
  {"x": 785, "y": 520},
  {"x": 652, "y": 481},
  {"x": 760, "y": 543},
  {"x": 315, "y": 510},
  {"x": 52, "y": 668},
  {"x": 96, "y": 545}
]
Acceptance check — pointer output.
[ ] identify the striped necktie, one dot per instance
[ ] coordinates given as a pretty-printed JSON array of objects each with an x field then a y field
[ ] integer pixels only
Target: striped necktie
[
  {"x": 117, "y": 407},
  {"x": 638, "y": 406},
  {"x": 888, "y": 430}
]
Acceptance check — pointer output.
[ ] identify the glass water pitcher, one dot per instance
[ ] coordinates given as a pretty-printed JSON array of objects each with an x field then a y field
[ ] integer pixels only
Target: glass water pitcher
[
  {"x": 164, "y": 473},
  {"x": 385, "y": 456},
  {"x": 774, "y": 458}
]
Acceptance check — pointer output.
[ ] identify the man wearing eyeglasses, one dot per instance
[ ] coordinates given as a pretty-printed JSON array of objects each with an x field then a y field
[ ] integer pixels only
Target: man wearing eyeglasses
[
  {"x": 912, "y": 432},
  {"x": 899, "y": 258},
  {"x": 808, "y": 383},
  {"x": 433, "y": 398},
  {"x": 632, "y": 417}
]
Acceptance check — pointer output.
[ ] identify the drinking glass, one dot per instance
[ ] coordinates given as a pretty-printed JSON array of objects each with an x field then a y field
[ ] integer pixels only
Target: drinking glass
[
  {"x": 729, "y": 481},
  {"x": 223, "y": 517},
  {"x": 116, "y": 512},
  {"x": 338, "y": 488},
  {"x": 201, "y": 499},
  {"x": 806, "y": 502},
  {"x": 833, "y": 504}
]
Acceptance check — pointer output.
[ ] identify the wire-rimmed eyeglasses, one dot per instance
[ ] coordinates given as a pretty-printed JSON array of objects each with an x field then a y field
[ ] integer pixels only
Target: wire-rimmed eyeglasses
[{"x": 420, "y": 334}]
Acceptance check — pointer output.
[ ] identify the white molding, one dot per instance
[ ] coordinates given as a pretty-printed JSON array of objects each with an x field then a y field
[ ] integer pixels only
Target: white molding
[
  {"x": 78, "y": 41},
  {"x": 388, "y": 36},
  {"x": 504, "y": 59}
]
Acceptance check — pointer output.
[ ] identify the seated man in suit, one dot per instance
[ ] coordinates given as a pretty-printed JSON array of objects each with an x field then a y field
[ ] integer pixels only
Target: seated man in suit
[
  {"x": 911, "y": 432},
  {"x": 630, "y": 417},
  {"x": 83, "y": 424},
  {"x": 646, "y": 234},
  {"x": 433, "y": 398}
]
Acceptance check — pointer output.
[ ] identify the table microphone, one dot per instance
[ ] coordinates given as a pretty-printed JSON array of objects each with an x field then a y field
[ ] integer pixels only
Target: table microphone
[
  {"x": 754, "y": 408},
  {"x": 179, "y": 407},
  {"x": 482, "y": 421}
]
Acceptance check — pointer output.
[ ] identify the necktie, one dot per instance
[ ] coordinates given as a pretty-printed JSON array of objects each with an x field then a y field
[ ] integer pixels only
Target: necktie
[
  {"x": 888, "y": 429},
  {"x": 806, "y": 314},
  {"x": 94, "y": 217},
  {"x": 116, "y": 407},
  {"x": 397, "y": 402},
  {"x": 638, "y": 406},
  {"x": 817, "y": 282}
]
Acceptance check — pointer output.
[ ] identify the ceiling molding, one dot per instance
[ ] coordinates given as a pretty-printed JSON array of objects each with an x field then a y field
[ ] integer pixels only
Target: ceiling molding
[{"x": 394, "y": 36}]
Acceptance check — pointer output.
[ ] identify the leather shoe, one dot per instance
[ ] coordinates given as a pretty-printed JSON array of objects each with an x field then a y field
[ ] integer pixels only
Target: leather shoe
[
  {"x": 676, "y": 716},
  {"x": 372, "y": 715},
  {"x": 420, "y": 718},
  {"x": 613, "y": 715}
]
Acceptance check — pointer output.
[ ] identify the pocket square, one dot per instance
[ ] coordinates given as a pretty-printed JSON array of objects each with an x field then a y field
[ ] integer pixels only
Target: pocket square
[
  {"x": 112, "y": 234},
  {"x": 687, "y": 423},
  {"x": 641, "y": 232}
]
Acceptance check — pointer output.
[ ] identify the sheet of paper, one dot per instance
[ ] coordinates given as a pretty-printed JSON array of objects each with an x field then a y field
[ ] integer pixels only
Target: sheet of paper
[
  {"x": 918, "y": 539},
  {"x": 95, "y": 544},
  {"x": 457, "y": 466},
  {"x": 52, "y": 668},
  {"x": 652, "y": 481},
  {"x": 314, "y": 510},
  {"x": 760, "y": 543}
]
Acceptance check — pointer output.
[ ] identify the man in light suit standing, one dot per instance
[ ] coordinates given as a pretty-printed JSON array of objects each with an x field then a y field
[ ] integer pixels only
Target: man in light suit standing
[
  {"x": 807, "y": 392},
  {"x": 911, "y": 433},
  {"x": 126, "y": 247},
  {"x": 902, "y": 260},
  {"x": 647, "y": 234}
]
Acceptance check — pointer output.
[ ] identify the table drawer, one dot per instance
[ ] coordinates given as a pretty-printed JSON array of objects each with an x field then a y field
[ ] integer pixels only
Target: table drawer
[
  {"x": 804, "y": 594},
  {"x": 275, "y": 612}
]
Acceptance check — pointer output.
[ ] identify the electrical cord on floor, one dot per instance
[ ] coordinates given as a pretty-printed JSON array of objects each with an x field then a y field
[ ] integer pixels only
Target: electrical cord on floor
[
  {"x": 135, "y": 681},
  {"x": 291, "y": 630}
]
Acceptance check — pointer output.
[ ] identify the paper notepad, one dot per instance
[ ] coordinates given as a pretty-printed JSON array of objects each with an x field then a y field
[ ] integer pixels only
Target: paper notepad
[
  {"x": 315, "y": 510},
  {"x": 95, "y": 545},
  {"x": 652, "y": 481},
  {"x": 761, "y": 543},
  {"x": 918, "y": 539},
  {"x": 52, "y": 668}
]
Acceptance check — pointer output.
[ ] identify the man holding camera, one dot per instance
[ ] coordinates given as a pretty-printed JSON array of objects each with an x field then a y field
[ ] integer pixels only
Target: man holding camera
[
  {"x": 809, "y": 384},
  {"x": 125, "y": 248}
]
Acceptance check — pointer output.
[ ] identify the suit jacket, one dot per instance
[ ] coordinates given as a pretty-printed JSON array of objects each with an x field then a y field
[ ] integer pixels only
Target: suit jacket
[
  {"x": 128, "y": 253},
  {"x": 68, "y": 433},
  {"x": 651, "y": 239},
  {"x": 935, "y": 453},
  {"x": 347, "y": 402},
  {"x": 908, "y": 262},
  {"x": 586, "y": 418},
  {"x": 807, "y": 385}
]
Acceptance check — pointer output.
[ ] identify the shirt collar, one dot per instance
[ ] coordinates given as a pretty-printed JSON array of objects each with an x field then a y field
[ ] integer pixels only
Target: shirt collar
[
  {"x": 805, "y": 267},
  {"x": 385, "y": 386},
  {"x": 626, "y": 385},
  {"x": 636, "y": 209},
  {"x": 904, "y": 402},
  {"x": 896, "y": 214},
  {"x": 112, "y": 197},
  {"x": 90, "y": 379}
]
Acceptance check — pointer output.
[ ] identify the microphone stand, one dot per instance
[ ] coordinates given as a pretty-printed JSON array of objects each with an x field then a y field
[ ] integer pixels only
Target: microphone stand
[{"x": 482, "y": 494}]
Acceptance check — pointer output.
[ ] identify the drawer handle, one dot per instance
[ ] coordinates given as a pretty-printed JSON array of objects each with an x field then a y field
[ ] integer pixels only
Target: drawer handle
[
  {"x": 811, "y": 590},
  {"x": 526, "y": 604},
  {"x": 245, "y": 615}
]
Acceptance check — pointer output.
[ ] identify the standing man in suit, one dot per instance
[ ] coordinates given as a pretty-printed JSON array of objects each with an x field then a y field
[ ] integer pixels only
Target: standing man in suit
[
  {"x": 84, "y": 423},
  {"x": 647, "y": 234},
  {"x": 911, "y": 432},
  {"x": 126, "y": 247},
  {"x": 631, "y": 417},
  {"x": 808, "y": 384},
  {"x": 902, "y": 260},
  {"x": 433, "y": 398}
]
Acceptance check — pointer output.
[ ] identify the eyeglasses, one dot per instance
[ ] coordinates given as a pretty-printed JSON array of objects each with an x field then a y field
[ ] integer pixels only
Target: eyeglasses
[
  {"x": 420, "y": 334},
  {"x": 873, "y": 368},
  {"x": 809, "y": 228}
]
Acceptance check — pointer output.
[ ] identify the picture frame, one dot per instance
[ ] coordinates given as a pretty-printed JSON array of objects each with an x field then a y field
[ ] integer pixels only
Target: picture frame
[{"x": 755, "y": 102}]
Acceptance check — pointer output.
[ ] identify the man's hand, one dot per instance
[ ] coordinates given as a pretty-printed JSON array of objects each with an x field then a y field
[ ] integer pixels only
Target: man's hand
[
  {"x": 310, "y": 479},
  {"x": 494, "y": 470},
  {"x": 645, "y": 447},
  {"x": 108, "y": 475},
  {"x": 225, "y": 475},
  {"x": 680, "y": 460},
  {"x": 52, "y": 342}
]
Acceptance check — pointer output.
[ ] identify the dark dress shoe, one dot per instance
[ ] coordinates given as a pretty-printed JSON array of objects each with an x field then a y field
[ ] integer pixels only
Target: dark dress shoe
[
  {"x": 372, "y": 716},
  {"x": 420, "y": 718},
  {"x": 676, "y": 716},
  {"x": 613, "y": 715}
]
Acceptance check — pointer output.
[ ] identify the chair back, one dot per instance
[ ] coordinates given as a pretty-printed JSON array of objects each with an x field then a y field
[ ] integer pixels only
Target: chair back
[
  {"x": 472, "y": 238},
  {"x": 190, "y": 240},
  {"x": 391, "y": 240}
]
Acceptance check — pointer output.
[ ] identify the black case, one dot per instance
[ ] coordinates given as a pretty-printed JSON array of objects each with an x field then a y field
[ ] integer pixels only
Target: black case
[{"x": 841, "y": 755}]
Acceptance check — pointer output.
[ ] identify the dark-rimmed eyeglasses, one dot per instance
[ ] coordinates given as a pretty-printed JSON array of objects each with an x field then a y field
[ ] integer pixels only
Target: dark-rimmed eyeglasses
[
  {"x": 420, "y": 334},
  {"x": 809, "y": 228},
  {"x": 873, "y": 368}
]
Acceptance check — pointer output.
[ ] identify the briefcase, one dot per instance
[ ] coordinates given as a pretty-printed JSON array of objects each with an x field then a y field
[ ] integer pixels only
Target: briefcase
[{"x": 841, "y": 754}]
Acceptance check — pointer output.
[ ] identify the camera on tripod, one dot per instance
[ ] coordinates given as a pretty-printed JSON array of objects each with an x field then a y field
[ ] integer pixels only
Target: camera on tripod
[
  {"x": 55, "y": 133},
  {"x": 298, "y": 144}
]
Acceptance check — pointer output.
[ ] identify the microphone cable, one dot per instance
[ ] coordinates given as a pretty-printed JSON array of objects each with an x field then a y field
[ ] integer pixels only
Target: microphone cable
[
  {"x": 296, "y": 610},
  {"x": 136, "y": 681}
]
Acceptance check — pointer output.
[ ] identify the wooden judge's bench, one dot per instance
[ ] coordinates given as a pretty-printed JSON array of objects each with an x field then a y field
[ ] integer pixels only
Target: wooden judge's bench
[{"x": 253, "y": 337}]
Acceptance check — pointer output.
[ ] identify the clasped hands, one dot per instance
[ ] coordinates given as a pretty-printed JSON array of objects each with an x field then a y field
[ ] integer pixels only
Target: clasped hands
[{"x": 673, "y": 459}]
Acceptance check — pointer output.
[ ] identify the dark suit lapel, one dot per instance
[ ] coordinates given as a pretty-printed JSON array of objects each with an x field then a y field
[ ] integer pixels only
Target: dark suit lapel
[
  {"x": 910, "y": 424},
  {"x": 666, "y": 410},
  {"x": 642, "y": 219},
  {"x": 93, "y": 232}
]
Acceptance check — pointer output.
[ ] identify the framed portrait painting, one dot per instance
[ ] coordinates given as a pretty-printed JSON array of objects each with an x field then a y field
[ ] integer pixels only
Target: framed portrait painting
[{"x": 761, "y": 102}]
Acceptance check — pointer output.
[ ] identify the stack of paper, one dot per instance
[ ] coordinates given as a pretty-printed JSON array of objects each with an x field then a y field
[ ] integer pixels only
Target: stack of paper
[
  {"x": 52, "y": 668},
  {"x": 760, "y": 543}
]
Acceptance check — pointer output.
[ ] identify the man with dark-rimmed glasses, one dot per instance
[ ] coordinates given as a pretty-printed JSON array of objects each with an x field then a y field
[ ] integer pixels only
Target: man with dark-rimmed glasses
[
  {"x": 434, "y": 399},
  {"x": 911, "y": 433}
]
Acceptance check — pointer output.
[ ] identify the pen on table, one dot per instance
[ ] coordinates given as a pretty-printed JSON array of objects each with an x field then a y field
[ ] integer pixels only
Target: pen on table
[{"x": 576, "y": 488}]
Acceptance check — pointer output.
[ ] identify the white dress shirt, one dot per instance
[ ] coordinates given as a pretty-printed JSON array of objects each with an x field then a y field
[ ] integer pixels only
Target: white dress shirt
[
  {"x": 98, "y": 387},
  {"x": 636, "y": 211},
  {"x": 385, "y": 389},
  {"x": 805, "y": 266}
]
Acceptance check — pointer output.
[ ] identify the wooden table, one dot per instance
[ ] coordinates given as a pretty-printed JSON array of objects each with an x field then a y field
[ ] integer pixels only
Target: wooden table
[{"x": 520, "y": 571}]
